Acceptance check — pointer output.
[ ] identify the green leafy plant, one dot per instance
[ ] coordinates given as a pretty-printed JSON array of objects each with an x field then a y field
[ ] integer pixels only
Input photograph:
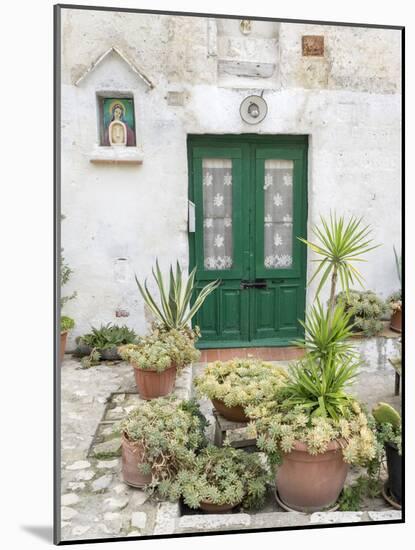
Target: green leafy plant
[
  {"x": 170, "y": 434},
  {"x": 221, "y": 476},
  {"x": 366, "y": 310},
  {"x": 65, "y": 275},
  {"x": 321, "y": 391},
  {"x": 175, "y": 309},
  {"x": 161, "y": 350},
  {"x": 388, "y": 425},
  {"x": 339, "y": 244},
  {"x": 67, "y": 323},
  {"x": 352, "y": 496},
  {"x": 244, "y": 382},
  {"x": 326, "y": 332},
  {"x": 108, "y": 336}
]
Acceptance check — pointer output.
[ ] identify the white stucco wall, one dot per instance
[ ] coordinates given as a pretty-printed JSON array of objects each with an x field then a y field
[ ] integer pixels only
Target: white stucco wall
[{"x": 348, "y": 103}]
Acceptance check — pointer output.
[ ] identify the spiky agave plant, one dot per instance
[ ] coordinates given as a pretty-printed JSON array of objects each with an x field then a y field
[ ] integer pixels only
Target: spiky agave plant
[{"x": 175, "y": 309}]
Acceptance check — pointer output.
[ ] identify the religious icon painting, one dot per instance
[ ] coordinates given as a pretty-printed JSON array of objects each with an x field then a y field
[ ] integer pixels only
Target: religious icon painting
[{"x": 117, "y": 122}]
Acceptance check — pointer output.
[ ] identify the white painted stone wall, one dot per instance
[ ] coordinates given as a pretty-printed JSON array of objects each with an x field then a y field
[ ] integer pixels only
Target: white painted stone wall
[{"x": 348, "y": 102}]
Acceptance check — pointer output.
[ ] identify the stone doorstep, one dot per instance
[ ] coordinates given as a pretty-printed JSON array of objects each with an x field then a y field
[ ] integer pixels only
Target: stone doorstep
[{"x": 274, "y": 520}]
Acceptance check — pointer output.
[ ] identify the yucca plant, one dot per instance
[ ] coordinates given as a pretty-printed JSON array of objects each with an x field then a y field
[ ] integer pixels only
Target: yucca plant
[
  {"x": 321, "y": 391},
  {"x": 340, "y": 243},
  {"x": 175, "y": 309},
  {"x": 326, "y": 332}
]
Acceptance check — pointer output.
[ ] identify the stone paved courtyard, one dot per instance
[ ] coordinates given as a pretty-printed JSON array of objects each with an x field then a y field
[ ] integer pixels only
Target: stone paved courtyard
[{"x": 95, "y": 503}]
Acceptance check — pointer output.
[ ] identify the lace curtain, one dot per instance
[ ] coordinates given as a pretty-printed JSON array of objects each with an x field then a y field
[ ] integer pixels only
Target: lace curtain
[
  {"x": 217, "y": 213},
  {"x": 278, "y": 214}
]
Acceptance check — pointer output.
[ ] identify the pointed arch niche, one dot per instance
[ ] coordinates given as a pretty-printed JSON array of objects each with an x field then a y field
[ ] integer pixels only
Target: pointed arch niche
[{"x": 115, "y": 80}]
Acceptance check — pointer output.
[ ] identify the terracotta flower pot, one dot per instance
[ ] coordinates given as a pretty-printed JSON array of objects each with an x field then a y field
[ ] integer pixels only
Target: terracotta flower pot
[
  {"x": 235, "y": 414},
  {"x": 64, "y": 336},
  {"x": 216, "y": 508},
  {"x": 151, "y": 384},
  {"x": 396, "y": 320},
  {"x": 131, "y": 458},
  {"x": 308, "y": 483}
]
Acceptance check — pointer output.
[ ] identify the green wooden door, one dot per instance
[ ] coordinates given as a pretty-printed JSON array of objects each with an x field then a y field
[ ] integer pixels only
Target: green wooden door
[{"x": 250, "y": 205}]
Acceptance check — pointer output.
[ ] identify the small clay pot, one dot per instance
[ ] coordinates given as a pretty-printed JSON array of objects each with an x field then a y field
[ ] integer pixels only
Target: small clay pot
[
  {"x": 151, "y": 384},
  {"x": 308, "y": 483},
  {"x": 396, "y": 320},
  {"x": 216, "y": 508},
  {"x": 235, "y": 414},
  {"x": 131, "y": 457},
  {"x": 64, "y": 336},
  {"x": 394, "y": 462}
]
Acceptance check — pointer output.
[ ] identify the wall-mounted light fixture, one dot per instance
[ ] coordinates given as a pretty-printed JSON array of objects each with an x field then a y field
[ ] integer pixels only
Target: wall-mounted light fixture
[{"x": 253, "y": 109}]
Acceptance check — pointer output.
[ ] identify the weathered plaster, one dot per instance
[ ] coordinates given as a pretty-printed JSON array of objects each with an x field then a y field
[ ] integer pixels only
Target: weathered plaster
[{"x": 348, "y": 103}]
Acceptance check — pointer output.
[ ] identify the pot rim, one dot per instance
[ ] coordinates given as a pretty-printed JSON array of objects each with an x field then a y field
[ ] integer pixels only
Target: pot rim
[
  {"x": 174, "y": 366},
  {"x": 391, "y": 445},
  {"x": 124, "y": 437},
  {"x": 64, "y": 332},
  {"x": 334, "y": 445}
]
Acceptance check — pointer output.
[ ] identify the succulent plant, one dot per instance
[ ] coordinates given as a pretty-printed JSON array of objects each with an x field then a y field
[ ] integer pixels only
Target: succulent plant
[
  {"x": 170, "y": 433},
  {"x": 67, "y": 323},
  {"x": 278, "y": 432},
  {"x": 366, "y": 310},
  {"x": 244, "y": 382},
  {"x": 108, "y": 336},
  {"x": 161, "y": 350},
  {"x": 221, "y": 476}
]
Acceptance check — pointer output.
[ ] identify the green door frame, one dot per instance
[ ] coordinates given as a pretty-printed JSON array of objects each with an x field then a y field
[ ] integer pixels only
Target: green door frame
[{"x": 296, "y": 147}]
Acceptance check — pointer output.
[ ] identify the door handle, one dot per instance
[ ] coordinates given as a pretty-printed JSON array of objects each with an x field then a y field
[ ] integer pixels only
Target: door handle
[{"x": 253, "y": 284}]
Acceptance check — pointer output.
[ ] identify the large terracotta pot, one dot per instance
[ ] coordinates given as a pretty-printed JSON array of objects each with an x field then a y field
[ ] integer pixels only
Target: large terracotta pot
[
  {"x": 235, "y": 414},
  {"x": 64, "y": 336},
  {"x": 396, "y": 320},
  {"x": 151, "y": 384},
  {"x": 131, "y": 458},
  {"x": 216, "y": 508},
  {"x": 308, "y": 483}
]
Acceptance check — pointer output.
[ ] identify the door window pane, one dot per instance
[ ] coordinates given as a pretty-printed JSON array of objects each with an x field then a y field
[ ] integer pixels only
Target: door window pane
[
  {"x": 217, "y": 213},
  {"x": 278, "y": 214}
]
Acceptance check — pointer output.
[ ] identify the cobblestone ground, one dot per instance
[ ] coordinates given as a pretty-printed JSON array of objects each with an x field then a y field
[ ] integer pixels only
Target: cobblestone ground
[{"x": 95, "y": 503}]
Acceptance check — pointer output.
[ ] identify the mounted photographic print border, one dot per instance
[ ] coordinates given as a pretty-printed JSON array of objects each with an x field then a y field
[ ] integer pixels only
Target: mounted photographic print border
[{"x": 219, "y": 151}]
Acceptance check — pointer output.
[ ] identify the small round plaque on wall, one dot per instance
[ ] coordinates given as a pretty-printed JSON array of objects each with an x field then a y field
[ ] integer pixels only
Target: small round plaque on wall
[{"x": 253, "y": 109}]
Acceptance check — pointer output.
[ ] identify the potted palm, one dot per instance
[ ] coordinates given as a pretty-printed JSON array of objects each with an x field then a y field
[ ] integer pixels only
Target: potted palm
[
  {"x": 317, "y": 428},
  {"x": 389, "y": 435},
  {"x": 234, "y": 385},
  {"x": 159, "y": 438},
  {"x": 219, "y": 480},
  {"x": 158, "y": 358}
]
